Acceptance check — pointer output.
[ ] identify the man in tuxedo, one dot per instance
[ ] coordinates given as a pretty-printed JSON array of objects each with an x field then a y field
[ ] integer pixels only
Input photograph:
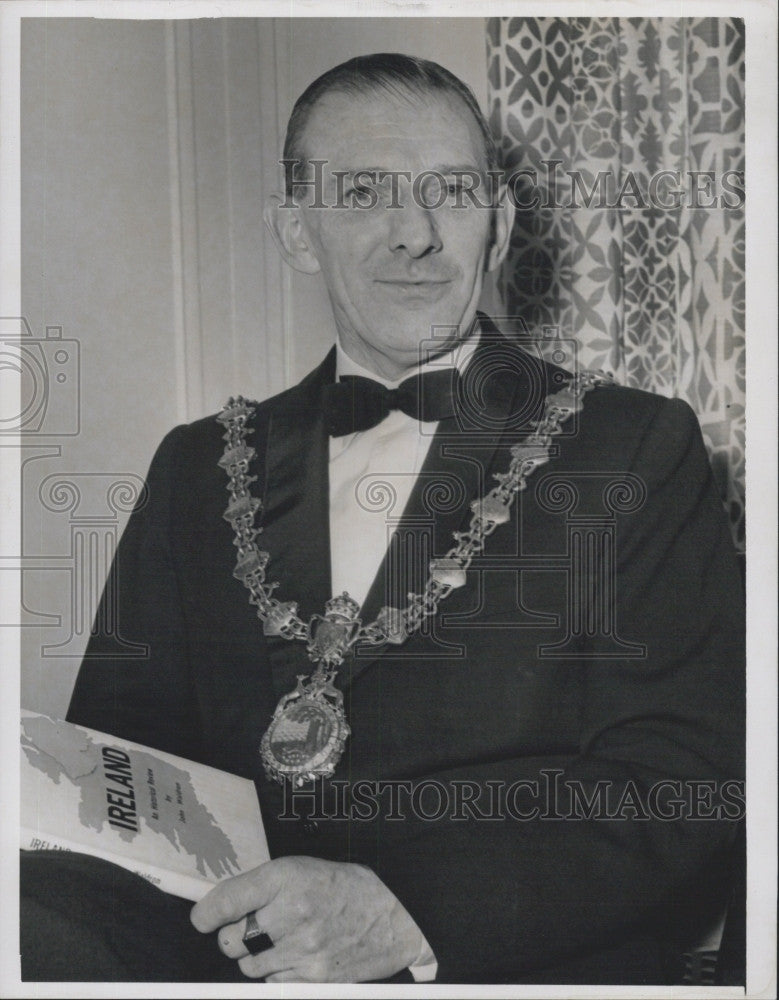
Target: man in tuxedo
[{"x": 539, "y": 782}]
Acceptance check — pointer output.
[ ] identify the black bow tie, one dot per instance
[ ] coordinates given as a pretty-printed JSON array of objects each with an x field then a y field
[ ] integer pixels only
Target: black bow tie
[{"x": 357, "y": 404}]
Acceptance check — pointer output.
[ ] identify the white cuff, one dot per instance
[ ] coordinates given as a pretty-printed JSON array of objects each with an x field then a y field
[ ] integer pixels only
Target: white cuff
[{"x": 425, "y": 968}]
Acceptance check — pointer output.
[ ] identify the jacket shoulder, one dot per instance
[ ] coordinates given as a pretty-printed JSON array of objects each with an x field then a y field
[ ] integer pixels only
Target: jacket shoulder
[
  {"x": 636, "y": 404},
  {"x": 207, "y": 432},
  {"x": 618, "y": 424}
]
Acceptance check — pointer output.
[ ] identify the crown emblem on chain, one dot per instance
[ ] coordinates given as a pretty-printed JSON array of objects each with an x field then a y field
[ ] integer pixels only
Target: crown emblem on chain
[{"x": 341, "y": 608}]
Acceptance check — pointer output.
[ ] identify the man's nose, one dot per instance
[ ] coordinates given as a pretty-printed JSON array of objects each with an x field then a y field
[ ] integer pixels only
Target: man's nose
[{"x": 413, "y": 229}]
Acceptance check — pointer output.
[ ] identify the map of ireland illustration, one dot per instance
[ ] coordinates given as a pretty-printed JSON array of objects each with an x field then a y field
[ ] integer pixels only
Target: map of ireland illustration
[{"x": 133, "y": 793}]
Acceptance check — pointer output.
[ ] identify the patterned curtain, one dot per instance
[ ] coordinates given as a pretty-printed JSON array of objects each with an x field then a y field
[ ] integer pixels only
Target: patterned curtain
[{"x": 624, "y": 141}]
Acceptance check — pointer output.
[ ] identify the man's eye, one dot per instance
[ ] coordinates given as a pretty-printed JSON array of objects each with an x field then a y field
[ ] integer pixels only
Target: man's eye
[
  {"x": 456, "y": 189},
  {"x": 360, "y": 195},
  {"x": 439, "y": 192}
]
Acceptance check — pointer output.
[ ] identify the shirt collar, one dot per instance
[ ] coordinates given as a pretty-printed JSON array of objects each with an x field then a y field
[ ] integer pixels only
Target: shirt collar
[{"x": 458, "y": 358}]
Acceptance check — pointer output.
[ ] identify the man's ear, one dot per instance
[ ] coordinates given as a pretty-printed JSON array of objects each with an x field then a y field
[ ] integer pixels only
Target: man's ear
[
  {"x": 503, "y": 223},
  {"x": 286, "y": 226}
]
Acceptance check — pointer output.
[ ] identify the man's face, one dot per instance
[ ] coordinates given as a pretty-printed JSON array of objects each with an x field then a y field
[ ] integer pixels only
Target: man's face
[{"x": 394, "y": 273}]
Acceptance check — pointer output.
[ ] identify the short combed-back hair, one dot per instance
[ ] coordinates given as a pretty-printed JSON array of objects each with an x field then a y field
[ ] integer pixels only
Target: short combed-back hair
[{"x": 392, "y": 73}]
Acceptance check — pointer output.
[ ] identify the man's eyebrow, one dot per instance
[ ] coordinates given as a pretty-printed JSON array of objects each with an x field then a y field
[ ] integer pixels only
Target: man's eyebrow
[
  {"x": 354, "y": 171},
  {"x": 459, "y": 168},
  {"x": 441, "y": 168}
]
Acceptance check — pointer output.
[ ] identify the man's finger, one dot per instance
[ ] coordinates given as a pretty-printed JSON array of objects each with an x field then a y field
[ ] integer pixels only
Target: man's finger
[
  {"x": 269, "y": 963},
  {"x": 273, "y": 920},
  {"x": 232, "y": 899},
  {"x": 231, "y": 940}
]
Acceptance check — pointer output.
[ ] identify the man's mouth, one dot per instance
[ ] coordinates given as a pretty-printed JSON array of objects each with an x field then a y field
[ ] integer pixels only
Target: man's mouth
[
  {"x": 402, "y": 280},
  {"x": 412, "y": 286}
]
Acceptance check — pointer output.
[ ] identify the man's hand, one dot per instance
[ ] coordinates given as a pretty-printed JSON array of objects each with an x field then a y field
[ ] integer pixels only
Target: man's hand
[{"x": 329, "y": 921}]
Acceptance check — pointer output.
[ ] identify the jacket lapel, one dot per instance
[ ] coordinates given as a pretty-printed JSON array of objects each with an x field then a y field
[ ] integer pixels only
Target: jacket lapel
[
  {"x": 502, "y": 394},
  {"x": 296, "y": 521}
]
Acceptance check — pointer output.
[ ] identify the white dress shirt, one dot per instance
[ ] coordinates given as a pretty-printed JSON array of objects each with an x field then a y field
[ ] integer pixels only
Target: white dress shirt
[{"x": 372, "y": 475}]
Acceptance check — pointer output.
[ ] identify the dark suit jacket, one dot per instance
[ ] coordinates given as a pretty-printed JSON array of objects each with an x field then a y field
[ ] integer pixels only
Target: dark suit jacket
[{"x": 513, "y": 681}]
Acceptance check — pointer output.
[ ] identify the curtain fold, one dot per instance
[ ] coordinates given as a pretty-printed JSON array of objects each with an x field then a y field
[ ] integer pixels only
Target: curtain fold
[{"x": 624, "y": 144}]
